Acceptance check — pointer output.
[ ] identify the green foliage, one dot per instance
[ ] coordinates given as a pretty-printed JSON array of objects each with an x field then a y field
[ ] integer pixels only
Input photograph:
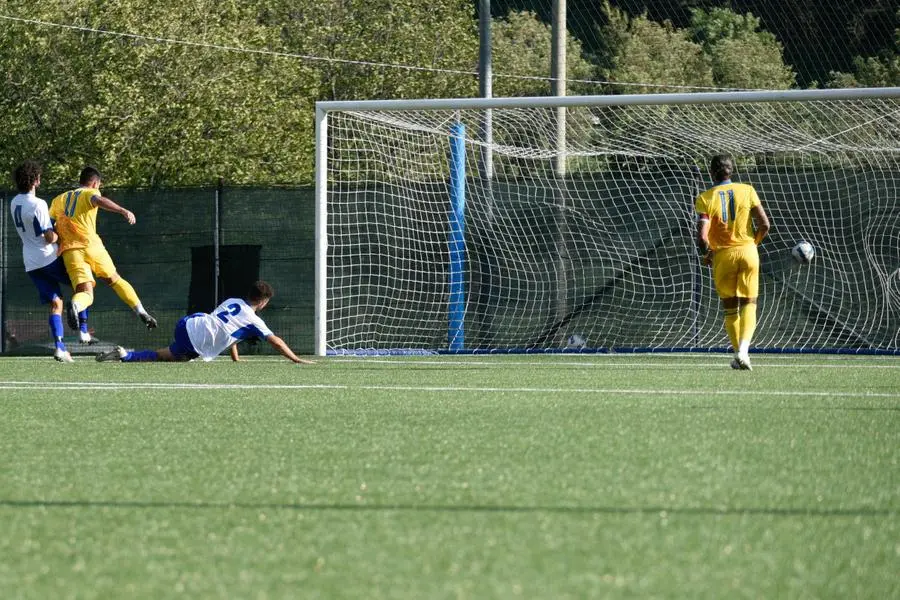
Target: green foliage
[
  {"x": 873, "y": 71},
  {"x": 741, "y": 55},
  {"x": 644, "y": 52},
  {"x": 720, "y": 48},
  {"x": 869, "y": 72},
  {"x": 154, "y": 113},
  {"x": 433, "y": 35},
  {"x": 522, "y": 47}
]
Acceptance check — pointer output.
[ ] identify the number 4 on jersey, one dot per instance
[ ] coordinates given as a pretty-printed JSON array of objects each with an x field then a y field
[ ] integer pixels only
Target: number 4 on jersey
[{"x": 17, "y": 217}]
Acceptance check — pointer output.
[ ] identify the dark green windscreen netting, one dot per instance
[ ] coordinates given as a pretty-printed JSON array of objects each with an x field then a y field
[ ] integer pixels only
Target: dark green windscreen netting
[{"x": 168, "y": 257}]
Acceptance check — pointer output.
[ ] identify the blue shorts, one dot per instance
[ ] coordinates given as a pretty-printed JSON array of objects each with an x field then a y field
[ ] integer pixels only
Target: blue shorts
[
  {"x": 182, "y": 348},
  {"x": 48, "y": 279}
]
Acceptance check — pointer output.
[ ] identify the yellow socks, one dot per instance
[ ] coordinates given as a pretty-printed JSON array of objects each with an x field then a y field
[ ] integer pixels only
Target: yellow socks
[
  {"x": 125, "y": 293},
  {"x": 82, "y": 300},
  {"x": 732, "y": 326},
  {"x": 747, "y": 323}
]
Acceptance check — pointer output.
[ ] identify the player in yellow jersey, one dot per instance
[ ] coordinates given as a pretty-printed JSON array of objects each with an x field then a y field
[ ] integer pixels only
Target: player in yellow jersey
[
  {"x": 82, "y": 250},
  {"x": 731, "y": 222}
]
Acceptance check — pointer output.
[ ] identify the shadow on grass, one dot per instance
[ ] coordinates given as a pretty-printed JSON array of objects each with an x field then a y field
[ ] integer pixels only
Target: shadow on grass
[{"x": 460, "y": 508}]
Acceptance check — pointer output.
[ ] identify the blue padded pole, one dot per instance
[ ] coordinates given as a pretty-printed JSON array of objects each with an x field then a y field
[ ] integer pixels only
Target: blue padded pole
[{"x": 457, "y": 305}]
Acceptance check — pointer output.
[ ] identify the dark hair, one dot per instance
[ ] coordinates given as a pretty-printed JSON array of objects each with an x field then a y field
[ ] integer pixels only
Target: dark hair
[
  {"x": 26, "y": 175},
  {"x": 87, "y": 174},
  {"x": 721, "y": 166},
  {"x": 260, "y": 291}
]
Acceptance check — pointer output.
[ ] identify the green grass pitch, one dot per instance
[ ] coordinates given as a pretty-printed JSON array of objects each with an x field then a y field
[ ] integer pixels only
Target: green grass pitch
[{"x": 561, "y": 476}]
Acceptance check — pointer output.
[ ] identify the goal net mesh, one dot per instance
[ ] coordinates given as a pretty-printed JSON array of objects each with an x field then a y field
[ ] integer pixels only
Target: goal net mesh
[{"x": 607, "y": 251}]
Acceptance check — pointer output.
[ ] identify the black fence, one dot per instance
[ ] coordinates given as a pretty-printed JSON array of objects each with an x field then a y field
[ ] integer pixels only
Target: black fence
[{"x": 170, "y": 257}]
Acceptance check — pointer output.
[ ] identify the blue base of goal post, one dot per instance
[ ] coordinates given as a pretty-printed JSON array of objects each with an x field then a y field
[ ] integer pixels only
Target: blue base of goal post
[{"x": 456, "y": 309}]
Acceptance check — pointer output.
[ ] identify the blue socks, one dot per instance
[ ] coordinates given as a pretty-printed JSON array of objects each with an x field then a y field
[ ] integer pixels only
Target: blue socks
[
  {"x": 82, "y": 321},
  {"x": 140, "y": 356},
  {"x": 56, "y": 330}
]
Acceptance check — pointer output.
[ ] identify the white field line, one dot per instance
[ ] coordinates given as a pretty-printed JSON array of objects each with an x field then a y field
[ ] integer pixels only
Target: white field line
[
  {"x": 113, "y": 386},
  {"x": 601, "y": 361}
]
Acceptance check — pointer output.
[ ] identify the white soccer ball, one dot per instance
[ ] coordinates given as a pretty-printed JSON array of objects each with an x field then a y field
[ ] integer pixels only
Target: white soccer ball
[
  {"x": 576, "y": 342},
  {"x": 803, "y": 252}
]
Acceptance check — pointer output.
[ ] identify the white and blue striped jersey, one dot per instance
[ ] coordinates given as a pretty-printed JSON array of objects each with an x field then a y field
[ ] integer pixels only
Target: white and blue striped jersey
[
  {"x": 232, "y": 321},
  {"x": 31, "y": 219}
]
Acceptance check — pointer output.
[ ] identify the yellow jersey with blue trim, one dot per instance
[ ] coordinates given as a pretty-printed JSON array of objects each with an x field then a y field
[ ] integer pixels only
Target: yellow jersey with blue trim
[
  {"x": 75, "y": 217},
  {"x": 728, "y": 206}
]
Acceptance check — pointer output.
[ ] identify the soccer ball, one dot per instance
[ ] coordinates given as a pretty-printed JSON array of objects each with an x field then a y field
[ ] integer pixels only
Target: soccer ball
[
  {"x": 803, "y": 252},
  {"x": 575, "y": 342}
]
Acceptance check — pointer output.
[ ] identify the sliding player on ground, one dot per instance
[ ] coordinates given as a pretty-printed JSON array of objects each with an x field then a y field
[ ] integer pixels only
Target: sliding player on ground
[
  {"x": 205, "y": 336},
  {"x": 731, "y": 224},
  {"x": 82, "y": 250},
  {"x": 39, "y": 253}
]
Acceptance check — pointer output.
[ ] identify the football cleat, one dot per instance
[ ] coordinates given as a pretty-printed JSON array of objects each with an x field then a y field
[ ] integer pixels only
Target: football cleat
[
  {"x": 62, "y": 356},
  {"x": 117, "y": 353},
  {"x": 86, "y": 338},
  {"x": 735, "y": 364},
  {"x": 744, "y": 361},
  {"x": 72, "y": 316},
  {"x": 149, "y": 321}
]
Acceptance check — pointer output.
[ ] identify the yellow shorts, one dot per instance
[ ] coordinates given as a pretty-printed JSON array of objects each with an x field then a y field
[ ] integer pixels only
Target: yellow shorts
[
  {"x": 736, "y": 272},
  {"x": 83, "y": 263}
]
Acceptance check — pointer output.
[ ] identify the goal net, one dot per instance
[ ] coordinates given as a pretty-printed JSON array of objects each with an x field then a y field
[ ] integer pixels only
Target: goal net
[{"x": 542, "y": 224}]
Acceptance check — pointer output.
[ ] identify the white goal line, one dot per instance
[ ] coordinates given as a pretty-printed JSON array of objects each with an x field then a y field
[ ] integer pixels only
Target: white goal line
[{"x": 118, "y": 386}]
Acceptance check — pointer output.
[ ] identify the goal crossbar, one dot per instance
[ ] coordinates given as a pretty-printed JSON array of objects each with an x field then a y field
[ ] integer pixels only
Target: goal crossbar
[{"x": 609, "y": 100}]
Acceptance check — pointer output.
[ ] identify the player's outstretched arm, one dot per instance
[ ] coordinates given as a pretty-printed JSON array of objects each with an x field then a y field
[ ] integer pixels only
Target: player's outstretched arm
[
  {"x": 107, "y": 204},
  {"x": 285, "y": 350},
  {"x": 234, "y": 352}
]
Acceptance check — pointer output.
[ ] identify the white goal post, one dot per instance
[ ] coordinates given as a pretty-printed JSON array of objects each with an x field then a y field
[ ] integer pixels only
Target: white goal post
[{"x": 420, "y": 248}]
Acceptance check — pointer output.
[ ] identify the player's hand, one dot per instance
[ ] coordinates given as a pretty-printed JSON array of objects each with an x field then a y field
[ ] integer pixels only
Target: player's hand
[
  {"x": 303, "y": 361},
  {"x": 129, "y": 216}
]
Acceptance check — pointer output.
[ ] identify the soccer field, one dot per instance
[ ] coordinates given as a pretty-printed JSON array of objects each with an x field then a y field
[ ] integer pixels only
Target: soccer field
[{"x": 552, "y": 476}]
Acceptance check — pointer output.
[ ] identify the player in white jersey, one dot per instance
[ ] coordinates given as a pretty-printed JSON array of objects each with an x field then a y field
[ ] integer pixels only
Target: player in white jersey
[
  {"x": 39, "y": 253},
  {"x": 206, "y": 335}
]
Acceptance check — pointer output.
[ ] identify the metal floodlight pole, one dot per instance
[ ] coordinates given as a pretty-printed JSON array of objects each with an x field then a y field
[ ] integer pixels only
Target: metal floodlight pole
[
  {"x": 485, "y": 85},
  {"x": 558, "y": 80},
  {"x": 558, "y": 84}
]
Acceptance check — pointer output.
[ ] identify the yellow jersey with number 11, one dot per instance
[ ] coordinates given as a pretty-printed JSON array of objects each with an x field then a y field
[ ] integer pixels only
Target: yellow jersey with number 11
[
  {"x": 76, "y": 218},
  {"x": 727, "y": 206}
]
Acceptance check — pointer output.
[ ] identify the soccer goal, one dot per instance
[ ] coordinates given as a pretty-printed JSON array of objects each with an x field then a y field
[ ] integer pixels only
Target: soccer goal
[{"x": 566, "y": 224}]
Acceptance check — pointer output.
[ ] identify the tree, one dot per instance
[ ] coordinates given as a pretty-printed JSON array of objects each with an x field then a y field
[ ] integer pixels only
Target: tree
[
  {"x": 350, "y": 35},
  {"x": 741, "y": 55},
  {"x": 521, "y": 46},
  {"x": 650, "y": 57},
  {"x": 154, "y": 113},
  {"x": 873, "y": 71}
]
